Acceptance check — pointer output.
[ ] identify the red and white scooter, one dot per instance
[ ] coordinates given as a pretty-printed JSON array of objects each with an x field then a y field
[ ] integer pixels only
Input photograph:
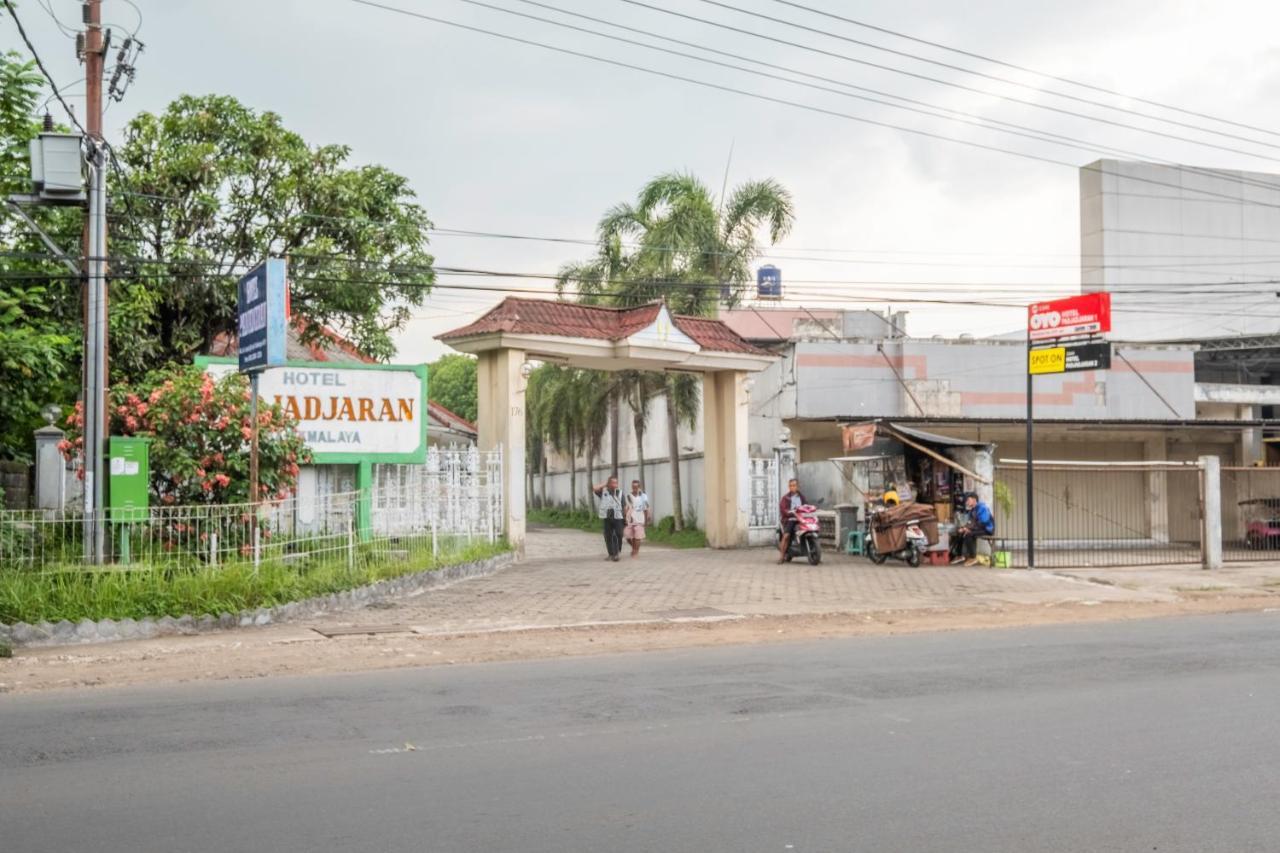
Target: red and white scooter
[{"x": 804, "y": 541}]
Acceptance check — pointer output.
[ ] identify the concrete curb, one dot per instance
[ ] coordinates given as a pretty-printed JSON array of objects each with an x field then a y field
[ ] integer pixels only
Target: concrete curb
[{"x": 66, "y": 633}]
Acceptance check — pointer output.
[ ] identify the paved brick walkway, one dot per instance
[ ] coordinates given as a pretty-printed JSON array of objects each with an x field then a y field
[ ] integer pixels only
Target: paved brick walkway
[{"x": 565, "y": 581}]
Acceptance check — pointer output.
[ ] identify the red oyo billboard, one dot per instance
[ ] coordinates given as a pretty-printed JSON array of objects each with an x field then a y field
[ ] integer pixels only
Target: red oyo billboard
[{"x": 1087, "y": 314}]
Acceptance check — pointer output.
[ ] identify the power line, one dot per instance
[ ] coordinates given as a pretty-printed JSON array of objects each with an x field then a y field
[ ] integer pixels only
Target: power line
[
  {"x": 40, "y": 64},
  {"x": 958, "y": 116},
  {"x": 982, "y": 74},
  {"x": 792, "y": 104},
  {"x": 773, "y": 39},
  {"x": 1023, "y": 68}
]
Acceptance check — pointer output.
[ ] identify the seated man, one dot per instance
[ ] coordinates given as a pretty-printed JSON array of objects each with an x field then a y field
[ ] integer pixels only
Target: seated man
[{"x": 981, "y": 523}]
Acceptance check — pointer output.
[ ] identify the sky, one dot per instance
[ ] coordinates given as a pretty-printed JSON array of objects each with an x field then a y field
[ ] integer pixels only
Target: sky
[{"x": 503, "y": 137}]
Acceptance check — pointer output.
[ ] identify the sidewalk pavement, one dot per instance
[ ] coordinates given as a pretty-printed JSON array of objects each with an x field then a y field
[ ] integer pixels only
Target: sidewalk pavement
[
  {"x": 566, "y": 599},
  {"x": 565, "y": 581}
]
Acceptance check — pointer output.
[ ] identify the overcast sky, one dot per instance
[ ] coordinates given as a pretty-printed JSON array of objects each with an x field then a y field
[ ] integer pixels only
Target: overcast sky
[{"x": 504, "y": 137}]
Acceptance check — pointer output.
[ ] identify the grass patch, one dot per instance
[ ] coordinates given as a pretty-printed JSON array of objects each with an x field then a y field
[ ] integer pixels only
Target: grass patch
[
  {"x": 662, "y": 533},
  {"x": 141, "y": 591},
  {"x": 6, "y": 650}
]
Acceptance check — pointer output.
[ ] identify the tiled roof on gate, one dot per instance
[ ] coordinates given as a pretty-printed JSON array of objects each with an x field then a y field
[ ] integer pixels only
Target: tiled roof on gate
[
  {"x": 715, "y": 335},
  {"x": 573, "y": 320},
  {"x": 564, "y": 319}
]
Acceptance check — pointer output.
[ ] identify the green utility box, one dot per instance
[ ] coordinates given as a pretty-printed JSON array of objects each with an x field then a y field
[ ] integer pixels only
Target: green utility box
[{"x": 128, "y": 479}]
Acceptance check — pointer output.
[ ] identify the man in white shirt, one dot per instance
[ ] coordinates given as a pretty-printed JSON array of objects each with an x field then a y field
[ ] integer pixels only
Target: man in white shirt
[
  {"x": 611, "y": 510},
  {"x": 639, "y": 514}
]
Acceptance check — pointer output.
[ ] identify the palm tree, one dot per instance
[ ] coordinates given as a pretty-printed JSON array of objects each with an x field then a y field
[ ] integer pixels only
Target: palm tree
[
  {"x": 638, "y": 388},
  {"x": 680, "y": 244}
]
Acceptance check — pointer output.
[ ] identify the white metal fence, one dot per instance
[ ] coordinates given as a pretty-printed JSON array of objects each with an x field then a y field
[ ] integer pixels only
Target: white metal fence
[{"x": 455, "y": 497}]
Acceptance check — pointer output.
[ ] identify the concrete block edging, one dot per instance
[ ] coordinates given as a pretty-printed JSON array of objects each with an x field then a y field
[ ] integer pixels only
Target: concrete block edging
[{"x": 65, "y": 633}]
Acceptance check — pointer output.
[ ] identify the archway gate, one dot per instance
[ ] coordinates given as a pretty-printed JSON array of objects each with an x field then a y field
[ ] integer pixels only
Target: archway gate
[{"x": 648, "y": 337}]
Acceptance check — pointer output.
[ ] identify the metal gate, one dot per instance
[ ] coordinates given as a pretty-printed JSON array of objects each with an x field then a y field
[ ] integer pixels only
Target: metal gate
[
  {"x": 1102, "y": 513},
  {"x": 763, "y": 513}
]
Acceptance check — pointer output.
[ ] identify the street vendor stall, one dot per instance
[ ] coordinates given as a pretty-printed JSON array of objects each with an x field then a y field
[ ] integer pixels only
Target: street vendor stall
[{"x": 932, "y": 470}]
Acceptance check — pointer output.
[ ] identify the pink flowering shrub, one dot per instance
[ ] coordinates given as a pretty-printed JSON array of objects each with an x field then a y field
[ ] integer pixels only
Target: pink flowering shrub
[{"x": 199, "y": 430}]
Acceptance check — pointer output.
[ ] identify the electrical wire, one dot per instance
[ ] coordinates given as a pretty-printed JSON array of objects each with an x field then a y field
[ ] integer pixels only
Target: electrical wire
[
  {"x": 774, "y": 39},
  {"x": 40, "y": 64},
  {"x": 957, "y": 116},
  {"x": 1025, "y": 69},
  {"x": 982, "y": 74},
  {"x": 795, "y": 104},
  {"x": 47, "y": 5}
]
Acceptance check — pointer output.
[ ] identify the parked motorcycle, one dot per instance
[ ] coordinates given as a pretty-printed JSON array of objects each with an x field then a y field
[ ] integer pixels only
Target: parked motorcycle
[
  {"x": 804, "y": 542},
  {"x": 910, "y": 553},
  {"x": 903, "y": 532}
]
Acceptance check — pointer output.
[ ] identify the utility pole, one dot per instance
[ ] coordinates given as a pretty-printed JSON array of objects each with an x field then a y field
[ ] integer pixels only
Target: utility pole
[{"x": 95, "y": 361}]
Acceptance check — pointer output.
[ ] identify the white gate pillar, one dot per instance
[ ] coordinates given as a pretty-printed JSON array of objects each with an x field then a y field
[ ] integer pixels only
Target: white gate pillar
[
  {"x": 500, "y": 423},
  {"x": 725, "y": 462}
]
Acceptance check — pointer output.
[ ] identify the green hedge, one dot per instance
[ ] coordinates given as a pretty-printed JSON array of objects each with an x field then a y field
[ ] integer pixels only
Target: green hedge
[{"x": 142, "y": 591}]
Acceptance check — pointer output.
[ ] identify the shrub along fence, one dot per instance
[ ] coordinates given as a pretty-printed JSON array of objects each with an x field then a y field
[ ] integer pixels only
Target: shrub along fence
[{"x": 209, "y": 558}]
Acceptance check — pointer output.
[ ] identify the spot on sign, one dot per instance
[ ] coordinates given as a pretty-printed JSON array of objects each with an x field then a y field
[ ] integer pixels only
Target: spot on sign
[{"x": 1050, "y": 360}]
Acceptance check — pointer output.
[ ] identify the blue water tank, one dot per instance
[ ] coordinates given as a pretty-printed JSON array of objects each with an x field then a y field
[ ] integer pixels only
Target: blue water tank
[{"x": 769, "y": 282}]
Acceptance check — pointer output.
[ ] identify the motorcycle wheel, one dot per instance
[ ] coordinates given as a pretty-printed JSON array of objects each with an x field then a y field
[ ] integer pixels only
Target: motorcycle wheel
[
  {"x": 815, "y": 552},
  {"x": 786, "y": 558},
  {"x": 913, "y": 557},
  {"x": 873, "y": 555}
]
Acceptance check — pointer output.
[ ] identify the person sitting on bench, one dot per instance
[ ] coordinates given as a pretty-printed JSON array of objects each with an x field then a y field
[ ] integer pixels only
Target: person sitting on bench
[{"x": 981, "y": 524}]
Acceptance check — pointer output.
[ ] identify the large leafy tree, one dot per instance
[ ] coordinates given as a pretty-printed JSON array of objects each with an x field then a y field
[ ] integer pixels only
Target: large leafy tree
[
  {"x": 677, "y": 242},
  {"x": 451, "y": 382},
  {"x": 39, "y": 354},
  {"x": 209, "y": 188}
]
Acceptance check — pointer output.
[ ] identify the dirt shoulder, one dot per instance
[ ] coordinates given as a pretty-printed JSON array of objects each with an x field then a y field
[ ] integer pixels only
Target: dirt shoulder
[{"x": 286, "y": 651}]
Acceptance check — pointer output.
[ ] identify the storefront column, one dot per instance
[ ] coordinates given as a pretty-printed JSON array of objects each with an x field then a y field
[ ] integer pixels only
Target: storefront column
[
  {"x": 1157, "y": 483},
  {"x": 724, "y": 423},
  {"x": 500, "y": 424}
]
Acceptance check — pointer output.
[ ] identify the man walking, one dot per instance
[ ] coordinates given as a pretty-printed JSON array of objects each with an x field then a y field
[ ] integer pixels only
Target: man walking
[
  {"x": 610, "y": 508},
  {"x": 639, "y": 514}
]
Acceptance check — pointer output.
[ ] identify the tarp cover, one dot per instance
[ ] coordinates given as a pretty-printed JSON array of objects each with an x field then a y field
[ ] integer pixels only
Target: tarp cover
[{"x": 889, "y": 524}]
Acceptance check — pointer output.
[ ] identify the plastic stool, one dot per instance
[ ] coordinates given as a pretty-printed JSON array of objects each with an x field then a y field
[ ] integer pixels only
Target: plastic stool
[{"x": 853, "y": 542}]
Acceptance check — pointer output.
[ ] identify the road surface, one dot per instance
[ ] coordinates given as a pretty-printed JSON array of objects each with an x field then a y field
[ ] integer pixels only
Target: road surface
[{"x": 1159, "y": 735}]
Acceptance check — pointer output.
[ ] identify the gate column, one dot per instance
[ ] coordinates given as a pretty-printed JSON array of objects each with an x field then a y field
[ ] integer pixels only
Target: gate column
[
  {"x": 500, "y": 423},
  {"x": 724, "y": 424}
]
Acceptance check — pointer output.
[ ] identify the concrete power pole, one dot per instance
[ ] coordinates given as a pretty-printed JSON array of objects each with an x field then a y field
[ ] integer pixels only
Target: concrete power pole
[{"x": 95, "y": 361}]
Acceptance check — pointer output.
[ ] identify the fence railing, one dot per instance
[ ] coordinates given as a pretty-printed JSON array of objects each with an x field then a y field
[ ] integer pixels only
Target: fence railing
[
  {"x": 1102, "y": 514},
  {"x": 455, "y": 497}
]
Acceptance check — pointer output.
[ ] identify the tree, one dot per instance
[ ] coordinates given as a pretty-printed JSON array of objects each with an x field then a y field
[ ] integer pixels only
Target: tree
[
  {"x": 208, "y": 189},
  {"x": 451, "y": 382},
  {"x": 39, "y": 358},
  {"x": 679, "y": 244},
  {"x": 199, "y": 430}
]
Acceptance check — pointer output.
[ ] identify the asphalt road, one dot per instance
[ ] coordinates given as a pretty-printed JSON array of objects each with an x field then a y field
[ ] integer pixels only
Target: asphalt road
[{"x": 1158, "y": 735}]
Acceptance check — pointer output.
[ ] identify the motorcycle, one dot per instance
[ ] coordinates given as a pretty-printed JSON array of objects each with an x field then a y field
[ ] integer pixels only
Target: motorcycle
[
  {"x": 804, "y": 541},
  {"x": 910, "y": 553},
  {"x": 904, "y": 532}
]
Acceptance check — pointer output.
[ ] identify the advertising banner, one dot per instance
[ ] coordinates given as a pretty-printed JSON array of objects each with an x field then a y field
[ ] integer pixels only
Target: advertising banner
[
  {"x": 261, "y": 316},
  {"x": 1087, "y": 314}
]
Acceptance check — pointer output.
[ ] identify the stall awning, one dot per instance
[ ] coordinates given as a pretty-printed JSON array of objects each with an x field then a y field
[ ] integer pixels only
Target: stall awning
[
  {"x": 931, "y": 437},
  {"x": 918, "y": 439}
]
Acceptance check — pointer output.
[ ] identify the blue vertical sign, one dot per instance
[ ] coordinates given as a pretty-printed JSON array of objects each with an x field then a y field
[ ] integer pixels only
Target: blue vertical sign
[
  {"x": 260, "y": 313},
  {"x": 769, "y": 282}
]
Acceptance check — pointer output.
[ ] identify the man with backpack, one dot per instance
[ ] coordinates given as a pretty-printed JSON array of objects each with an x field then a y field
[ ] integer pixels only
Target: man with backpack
[{"x": 611, "y": 509}]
